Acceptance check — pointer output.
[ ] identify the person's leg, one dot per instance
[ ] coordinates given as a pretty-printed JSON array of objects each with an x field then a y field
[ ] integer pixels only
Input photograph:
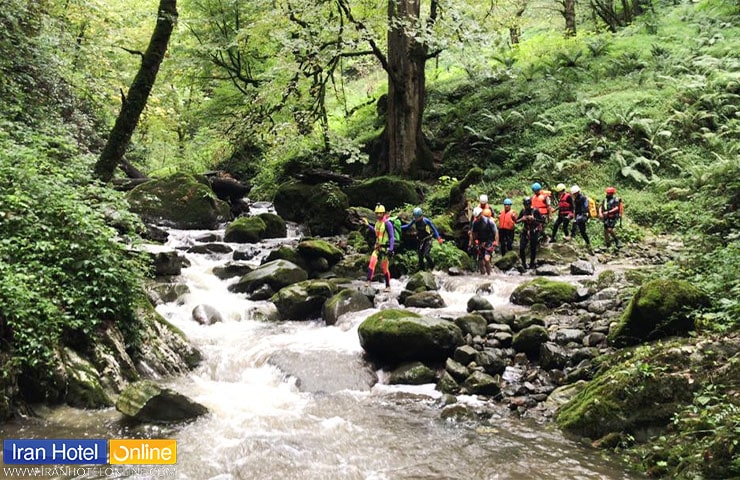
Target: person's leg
[
  {"x": 386, "y": 272},
  {"x": 426, "y": 250},
  {"x": 555, "y": 227},
  {"x": 523, "y": 249},
  {"x": 566, "y": 224},
  {"x": 533, "y": 249},
  {"x": 371, "y": 266}
]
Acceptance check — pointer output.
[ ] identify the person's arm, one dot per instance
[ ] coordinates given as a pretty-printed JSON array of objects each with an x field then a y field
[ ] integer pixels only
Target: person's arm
[
  {"x": 495, "y": 234},
  {"x": 391, "y": 235},
  {"x": 435, "y": 232},
  {"x": 406, "y": 226}
]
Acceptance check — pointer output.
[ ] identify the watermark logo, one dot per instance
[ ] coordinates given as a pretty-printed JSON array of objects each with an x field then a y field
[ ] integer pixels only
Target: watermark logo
[
  {"x": 57, "y": 451},
  {"x": 143, "y": 452}
]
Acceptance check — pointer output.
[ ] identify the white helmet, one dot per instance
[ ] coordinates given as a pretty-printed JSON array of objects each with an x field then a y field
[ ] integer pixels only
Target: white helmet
[
  {"x": 575, "y": 189},
  {"x": 483, "y": 198},
  {"x": 477, "y": 211}
]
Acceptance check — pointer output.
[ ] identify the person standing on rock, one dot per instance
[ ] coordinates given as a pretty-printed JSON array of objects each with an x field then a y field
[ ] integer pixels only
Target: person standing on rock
[
  {"x": 609, "y": 213},
  {"x": 385, "y": 243},
  {"x": 506, "y": 223},
  {"x": 565, "y": 210},
  {"x": 425, "y": 232},
  {"x": 534, "y": 223},
  {"x": 580, "y": 202},
  {"x": 483, "y": 239}
]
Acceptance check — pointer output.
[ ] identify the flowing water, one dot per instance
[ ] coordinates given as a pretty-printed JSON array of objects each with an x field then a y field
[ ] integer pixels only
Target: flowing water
[{"x": 295, "y": 400}]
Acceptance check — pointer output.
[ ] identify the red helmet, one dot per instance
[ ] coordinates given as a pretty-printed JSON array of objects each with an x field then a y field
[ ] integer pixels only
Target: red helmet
[{"x": 611, "y": 190}]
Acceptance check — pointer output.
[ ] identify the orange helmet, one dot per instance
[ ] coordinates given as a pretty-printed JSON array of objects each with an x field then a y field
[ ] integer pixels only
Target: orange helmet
[
  {"x": 487, "y": 212},
  {"x": 611, "y": 190}
]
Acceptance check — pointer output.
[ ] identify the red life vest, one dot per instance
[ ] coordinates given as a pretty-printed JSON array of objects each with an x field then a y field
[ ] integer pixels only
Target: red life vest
[
  {"x": 540, "y": 203},
  {"x": 565, "y": 204},
  {"x": 506, "y": 220}
]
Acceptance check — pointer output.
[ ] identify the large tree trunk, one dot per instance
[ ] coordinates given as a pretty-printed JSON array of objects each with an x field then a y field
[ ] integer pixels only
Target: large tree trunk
[
  {"x": 134, "y": 104},
  {"x": 407, "y": 149},
  {"x": 569, "y": 13}
]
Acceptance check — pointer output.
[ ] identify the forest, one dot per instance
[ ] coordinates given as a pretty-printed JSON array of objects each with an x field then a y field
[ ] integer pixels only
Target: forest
[{"x": 452, "y": 97}]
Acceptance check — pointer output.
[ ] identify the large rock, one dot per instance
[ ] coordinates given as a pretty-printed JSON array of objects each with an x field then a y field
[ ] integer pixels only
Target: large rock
[
  {"x": 276, "y": 274},
  {"x": 284, "y": 252},
  {"x": 412, "y": 373},
  {"x": 274, "y": 226},
  {"x": 206, "y": 314},
  {"x": 312, "y": 249},
  {"x": 179, "y": 201},
  {"x": 473, "y": 324},
  {"x": 421, "y": 282},
  {"x": 425, "y": 300},
  {"x": 482, "y": 384},
  {"x": 507, "y": 261},
  {"x": 245, "y": 230},
  {"x": 545, "y": 291},
  {"x": 660, "y": 308},
  {"x": 147, "y": 402},
  {"x": 393, "y": 336},
  {"x": 166, "y": 263},
  {"x": 347, "y": 300},
  {"x": 557, "y": 254},
  {"x": 529, "y": 339},
  {"x": 476, "y": 303},
  {"x": 303, "y": 300},
  {"x": 322, "y": 208},
  {"x": 391, "y": 192},
  {"x": 84, "y": 386}
]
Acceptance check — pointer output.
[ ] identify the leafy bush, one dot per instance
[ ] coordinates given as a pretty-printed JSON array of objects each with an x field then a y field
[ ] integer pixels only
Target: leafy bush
[{"x": 65, "y": 273}]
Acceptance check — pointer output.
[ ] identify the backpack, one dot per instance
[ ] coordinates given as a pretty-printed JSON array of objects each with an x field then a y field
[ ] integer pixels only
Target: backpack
[
  {"x": 592, "y": 211},
  {"x": 396, "y": 222}
]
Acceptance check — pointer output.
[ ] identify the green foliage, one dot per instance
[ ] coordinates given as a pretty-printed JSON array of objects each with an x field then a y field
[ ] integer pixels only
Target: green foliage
[{"x": 65, "y": 270}]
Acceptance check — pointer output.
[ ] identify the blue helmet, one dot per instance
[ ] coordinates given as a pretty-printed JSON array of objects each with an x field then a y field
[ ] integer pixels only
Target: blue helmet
[
  {"x": 536, "y": 187},
  {"x": 418, "y": 212},
  {"x": 507, "y": 201}
]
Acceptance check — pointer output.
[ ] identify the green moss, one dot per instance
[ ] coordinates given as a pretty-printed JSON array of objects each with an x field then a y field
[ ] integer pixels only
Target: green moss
[
  {"x": 322, "y": 208},
  {"x": 245, "y": 230},
  {"x": 542, "y": 290},
  {"x": 274, "y": 226},
  {"x": 392, "y": 192},
  {"x": 659, "y": 308},
  {"x": 317, "y": 248}
]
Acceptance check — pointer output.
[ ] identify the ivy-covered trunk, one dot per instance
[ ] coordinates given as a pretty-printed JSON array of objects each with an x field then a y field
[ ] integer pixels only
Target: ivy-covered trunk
[
  {"x": 134, "y": 103},
  {"x": 407, "y": 149}
]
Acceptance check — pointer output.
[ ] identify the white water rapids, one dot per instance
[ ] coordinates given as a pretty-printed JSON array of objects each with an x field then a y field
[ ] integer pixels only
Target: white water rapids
[{"x": 292, "y": 400}]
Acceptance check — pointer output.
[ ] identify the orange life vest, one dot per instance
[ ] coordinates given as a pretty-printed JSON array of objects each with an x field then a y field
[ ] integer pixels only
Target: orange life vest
[
  {"x": 540, "y": 203},
  {"x": 506, "y": 220}
]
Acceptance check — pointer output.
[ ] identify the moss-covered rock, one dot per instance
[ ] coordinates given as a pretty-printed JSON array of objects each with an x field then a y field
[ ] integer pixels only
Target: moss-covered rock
[
  {"x": 425, "y": 300},
  {"x": 303, "y": 300},
  {"x": 277, "y": 274},
  {"x": 390, "y": 191},
  {"x": 659, "y": 308},
  {"x": 626, "y": 398},
  {"x": 557, "y": 254},
  {"x": 482, "y": 384},
  {"x": 145, "y": 401},
  {"x": 274, "y": 226},
  {"x": 84, "y": 388},
  {"x": 447, "y": 256},
  {"x": 316, "y": 248},
  {"x": 393, "y": 336},
  {"x": 322, "y": 208},
  {"x": 529, "y": 339},
  {"x": 541, "y": 290},
  {"x": 245, "y": 230},
  {"x": 352, "y": 266},
  {"x": 508, "y": 261},
  {"x": 412, "y": 373},
  {"x": 473, "y": 324},
  {"x": 179, "y": 201},
  {"x": 347, "y": 300},
  {"x": 285, "y": 252},
  {"x": 421, "y": 282}
]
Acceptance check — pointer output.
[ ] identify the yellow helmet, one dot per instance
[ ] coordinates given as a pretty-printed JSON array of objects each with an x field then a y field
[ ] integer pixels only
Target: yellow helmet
[
  {"x": 560, "y": 187},
  {"x": 379, "y": 208}
]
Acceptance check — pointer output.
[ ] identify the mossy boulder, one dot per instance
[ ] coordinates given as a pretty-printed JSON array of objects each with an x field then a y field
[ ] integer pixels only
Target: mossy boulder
[
  {"x": 447, "y": 256},
  {"x": 274, "y": 225},
  {"x": 303, "y": 300},
  {"x": 347, "y": 300},
  {"x": 312, "y": 249},
  {"x": 659, "y": 308},
  {"x": 473, "y": 324},
  {"x": 508, "y": 261},
  {"x": 245, "y": 230},
  {"x": 529, "y": 339},
  {"x": 421, "y": 282},
  {"x": 412, "y": 373},
  {"x": 322, "y": 208},
  {"x": 352, "y": 266},
  {"x": 285, "y": 252},
  {"x": 625, "y": 398},
  {"x": 84, "y": 386},
  {"x": 557, "y": 254},
  {"x": 276, "y": 274},
  {"x": 145, "y": 401},
  {"x": 541, "y": 290},
  {"x": 179, "y": 201},
  {"x": 390, "y": 191},
  {"x": 393, "y": 336}
]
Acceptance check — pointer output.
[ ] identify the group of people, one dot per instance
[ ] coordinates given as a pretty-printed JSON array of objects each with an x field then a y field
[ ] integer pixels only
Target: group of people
[
  {"x": 385, "y": 241},
  {"x": 485, "y": 234},
  {"x": 537, "y": 211}
]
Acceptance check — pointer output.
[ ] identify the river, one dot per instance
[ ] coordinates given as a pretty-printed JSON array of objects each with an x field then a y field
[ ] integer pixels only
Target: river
[{"x": 295, "y": 400}]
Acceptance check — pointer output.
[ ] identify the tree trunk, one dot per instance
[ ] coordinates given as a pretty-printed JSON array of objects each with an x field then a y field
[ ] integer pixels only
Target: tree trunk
[
  {"x": 120, "y": 136},
  {"x": 569, "y": 13},
  {"x": 407, "y": 149}
]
